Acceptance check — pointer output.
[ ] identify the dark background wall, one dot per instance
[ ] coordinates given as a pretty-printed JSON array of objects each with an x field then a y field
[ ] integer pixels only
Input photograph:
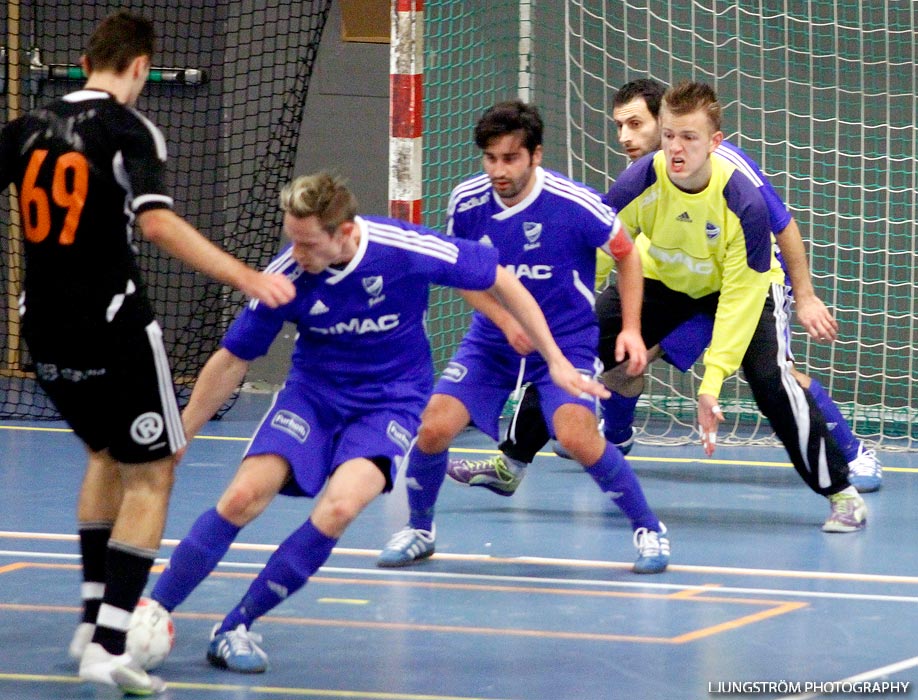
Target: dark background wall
[{"x": 345, "y": 130}]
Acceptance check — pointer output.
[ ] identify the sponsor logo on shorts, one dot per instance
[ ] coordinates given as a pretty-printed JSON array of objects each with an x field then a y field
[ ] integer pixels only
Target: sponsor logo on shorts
[
  {"x": 147, "y": 428},
  {"x": 399, "y": 435},
  {"x": 292, "y": 424},
  {"x": 51, "y": 373},
  {"x": 455, "y": 372}
]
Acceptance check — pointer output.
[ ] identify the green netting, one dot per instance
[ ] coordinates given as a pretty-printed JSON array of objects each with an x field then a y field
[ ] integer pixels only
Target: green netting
[
  {"x": 231, "y": 138},
  {"x": 822, "y": 94}
]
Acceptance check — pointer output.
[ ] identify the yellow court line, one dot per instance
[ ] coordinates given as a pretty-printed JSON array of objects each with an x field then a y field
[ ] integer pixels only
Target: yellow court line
[
  {"x": 266, "y": 689},
  {"x": 684, "y": 460},
  {"x": 484, "y": 451}
]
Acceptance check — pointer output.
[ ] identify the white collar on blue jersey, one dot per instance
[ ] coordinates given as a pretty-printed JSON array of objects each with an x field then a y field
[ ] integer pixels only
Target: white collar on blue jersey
[
  {"x": 507, "y": 212},
  {"x": 335, "y": 276}
]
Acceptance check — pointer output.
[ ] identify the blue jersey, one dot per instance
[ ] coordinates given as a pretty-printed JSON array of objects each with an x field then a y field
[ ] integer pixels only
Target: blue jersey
[
  {"x": 363, "y": 326},
  {"x": 548, "y": 241}
]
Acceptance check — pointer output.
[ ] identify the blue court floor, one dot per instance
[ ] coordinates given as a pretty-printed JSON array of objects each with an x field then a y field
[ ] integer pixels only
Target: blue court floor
[{"x": 527, "y": 598}]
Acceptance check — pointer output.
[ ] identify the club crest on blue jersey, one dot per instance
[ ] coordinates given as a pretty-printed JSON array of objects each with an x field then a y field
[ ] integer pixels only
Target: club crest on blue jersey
[
  {"x": 455, "y": 372},
  {"x": 532, "y": 230},
  {"x": 374, "y": 286},
  {"x": 290, "y": 423}
]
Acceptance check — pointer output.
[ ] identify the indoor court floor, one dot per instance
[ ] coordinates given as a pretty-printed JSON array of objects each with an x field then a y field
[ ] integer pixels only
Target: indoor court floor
[{"x": 527, "y": 598}]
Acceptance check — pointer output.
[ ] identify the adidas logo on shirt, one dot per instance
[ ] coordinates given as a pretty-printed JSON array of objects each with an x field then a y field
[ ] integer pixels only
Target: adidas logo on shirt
[
  {"x": 318, "y": 308},
  {"x": 684, "y": 218}
]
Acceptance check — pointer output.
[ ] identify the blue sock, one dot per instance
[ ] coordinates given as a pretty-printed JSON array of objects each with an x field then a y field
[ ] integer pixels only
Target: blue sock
[
  {"x": 194, "y": 558},
  {"x": 424, "y": 475},
  {"x": 615, "y": 477},
  {"x": 838, "y": 426},
  {"x": 618, "y": 415},
  {"x": 293, "y": 562}
]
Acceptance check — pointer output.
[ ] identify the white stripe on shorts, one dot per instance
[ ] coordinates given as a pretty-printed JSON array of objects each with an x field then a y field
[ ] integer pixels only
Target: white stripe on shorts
[{"x": 173, "y": 419}]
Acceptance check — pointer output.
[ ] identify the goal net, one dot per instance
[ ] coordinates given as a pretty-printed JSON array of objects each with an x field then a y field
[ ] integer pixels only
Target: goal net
[
  {"x": 229, "y": 100},
  {"x": 821, "y": 94}
]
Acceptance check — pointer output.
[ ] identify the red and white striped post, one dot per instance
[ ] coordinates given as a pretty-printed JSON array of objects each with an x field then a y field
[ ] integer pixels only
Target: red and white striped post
[{"x": 405, "y": 109}]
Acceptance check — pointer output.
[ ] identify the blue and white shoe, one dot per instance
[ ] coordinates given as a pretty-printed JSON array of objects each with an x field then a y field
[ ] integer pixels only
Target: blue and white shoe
[
  {"x": 865, "y": 473},
  {"x": 407, "y": 546},
  {"x": 237, "y": 650},
  {"x": 653, "y": 550}
]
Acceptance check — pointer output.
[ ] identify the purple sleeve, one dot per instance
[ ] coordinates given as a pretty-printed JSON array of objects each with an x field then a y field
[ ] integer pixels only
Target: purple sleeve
[
  {"x": 778, "y": 214},
  {"x": 251, "y": 334}
]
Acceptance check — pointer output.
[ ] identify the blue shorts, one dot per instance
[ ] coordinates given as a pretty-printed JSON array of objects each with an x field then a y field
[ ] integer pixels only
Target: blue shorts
[
  {"x": 316, "y": 428},
  {"x": 684, "y": 345},
  {"x": 482, "y": 378}
]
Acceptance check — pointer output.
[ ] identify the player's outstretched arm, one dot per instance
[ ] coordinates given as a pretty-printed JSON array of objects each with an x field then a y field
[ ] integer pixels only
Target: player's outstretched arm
[
  {"x": 219, "y": 378},
  {"x": 519, "y": 302},
  {"x": 629, "y": 342},
  {"x": 812, "y": 313},
  {"x": 169, "y": 231},
  {"x": 487, "y": 304}
]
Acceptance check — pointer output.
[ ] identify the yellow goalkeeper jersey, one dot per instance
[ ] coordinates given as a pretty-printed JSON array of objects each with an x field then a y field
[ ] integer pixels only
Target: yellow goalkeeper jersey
[{"x": 716, "y": 240}]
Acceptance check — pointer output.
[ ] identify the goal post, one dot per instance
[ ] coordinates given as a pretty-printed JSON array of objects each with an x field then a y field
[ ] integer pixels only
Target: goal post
[{"x": 821, "y": 94}]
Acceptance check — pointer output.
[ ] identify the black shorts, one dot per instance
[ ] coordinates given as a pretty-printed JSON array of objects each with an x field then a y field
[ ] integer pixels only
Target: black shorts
[{"x": 117, "y": 394}]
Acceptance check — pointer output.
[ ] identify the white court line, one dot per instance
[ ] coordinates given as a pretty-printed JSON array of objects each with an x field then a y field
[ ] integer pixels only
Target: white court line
[
  {"x": 520, "y": 580},
  {"x": 866, "y": 676},
  {"x": 546, "y": 561}
]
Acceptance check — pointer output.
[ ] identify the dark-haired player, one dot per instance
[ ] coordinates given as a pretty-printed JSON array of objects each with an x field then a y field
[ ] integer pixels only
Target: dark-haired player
[{"x": 87, "y": 167}]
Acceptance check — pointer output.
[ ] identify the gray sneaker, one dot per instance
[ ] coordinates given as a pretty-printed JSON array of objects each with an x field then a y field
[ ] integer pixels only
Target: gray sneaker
[
  {"x": 493, "y": 474},
  {"x": 849, "y": 513},
  {"x": 408, "y": 546}
]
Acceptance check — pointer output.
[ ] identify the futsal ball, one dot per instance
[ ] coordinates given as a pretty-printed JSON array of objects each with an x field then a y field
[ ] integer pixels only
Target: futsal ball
[{"x": 151, "y": 635}]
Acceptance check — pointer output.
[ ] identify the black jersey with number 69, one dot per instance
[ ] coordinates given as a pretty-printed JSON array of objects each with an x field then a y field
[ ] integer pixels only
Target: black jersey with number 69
[{"x": 84, "y": 166}]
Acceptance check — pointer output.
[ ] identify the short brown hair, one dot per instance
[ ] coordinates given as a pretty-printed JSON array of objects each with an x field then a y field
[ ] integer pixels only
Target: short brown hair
[
  {"x": 118, "y": 40},
  {"x": 690, "y": 96},
  {"x": 321, "y": 195}
]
